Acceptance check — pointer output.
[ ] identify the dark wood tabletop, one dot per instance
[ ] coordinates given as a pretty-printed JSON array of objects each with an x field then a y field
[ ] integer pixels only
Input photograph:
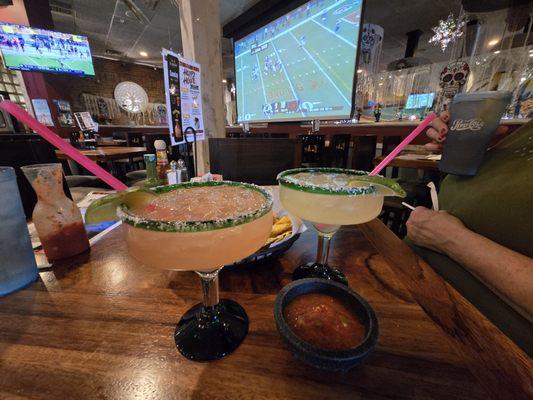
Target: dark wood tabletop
[
  {"x": 108, "y": 153},
  {"x": 415, "y": 161},
  {"x": 100, "y": 326}
]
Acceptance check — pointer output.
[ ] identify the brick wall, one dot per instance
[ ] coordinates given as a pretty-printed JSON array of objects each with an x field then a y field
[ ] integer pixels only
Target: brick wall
[{"x": 108, "y": 74}]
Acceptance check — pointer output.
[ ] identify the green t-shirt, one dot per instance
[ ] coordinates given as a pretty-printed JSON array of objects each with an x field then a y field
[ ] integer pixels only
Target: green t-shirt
[{"x": 498, "y": 204}]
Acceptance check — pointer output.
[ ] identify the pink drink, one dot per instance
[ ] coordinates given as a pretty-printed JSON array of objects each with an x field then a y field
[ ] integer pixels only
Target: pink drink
[{"x": 199, "y": 227}]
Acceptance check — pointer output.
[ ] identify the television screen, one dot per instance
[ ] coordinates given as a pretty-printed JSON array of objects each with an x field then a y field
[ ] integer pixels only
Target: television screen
[
  {"x": 301, "y": 66},
  {"x": 417, "y": 101},
  {"x": 32, "y": 49}
]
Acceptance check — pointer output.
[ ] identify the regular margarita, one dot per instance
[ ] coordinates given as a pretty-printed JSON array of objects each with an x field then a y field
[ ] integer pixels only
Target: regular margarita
[{"x": 329, "y": 198}]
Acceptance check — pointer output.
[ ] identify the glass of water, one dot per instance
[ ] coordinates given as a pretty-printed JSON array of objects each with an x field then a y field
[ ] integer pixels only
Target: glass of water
[{"x": 17, "y": 261}]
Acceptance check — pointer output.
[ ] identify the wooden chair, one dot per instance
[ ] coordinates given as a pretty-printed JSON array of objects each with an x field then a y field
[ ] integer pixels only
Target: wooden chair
[
  {"x": 17, "y": 150},
  {"x": 279, "y": 135},
  {"x": 339, "y": 148},
  {"x": 313, "y": 150},
  {"x": 257, "y": 135},
  {"x": 389, "y": 144},
  {"x": 253, "y": 160},
  {"x": 364, "y": 152}
]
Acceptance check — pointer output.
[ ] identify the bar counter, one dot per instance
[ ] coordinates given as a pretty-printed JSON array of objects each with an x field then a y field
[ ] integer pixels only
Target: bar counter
[
  {"x": 100, "y": 326},
  {"x": 379, "y": 129}
]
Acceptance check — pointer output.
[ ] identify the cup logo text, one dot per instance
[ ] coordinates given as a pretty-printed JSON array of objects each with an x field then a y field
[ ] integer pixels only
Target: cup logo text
[{"x": 474, "y": 124}]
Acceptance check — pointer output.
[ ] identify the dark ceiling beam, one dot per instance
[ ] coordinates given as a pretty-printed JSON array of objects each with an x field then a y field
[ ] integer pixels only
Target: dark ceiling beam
[{"x": 258, "y": 15}]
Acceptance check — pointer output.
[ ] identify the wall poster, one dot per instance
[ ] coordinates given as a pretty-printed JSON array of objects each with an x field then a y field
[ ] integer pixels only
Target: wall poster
[{"x": 183, "y": 92}]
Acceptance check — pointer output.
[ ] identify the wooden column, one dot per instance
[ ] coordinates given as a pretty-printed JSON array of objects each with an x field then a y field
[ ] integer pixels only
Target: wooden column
[{"x": 201, "y": 36}]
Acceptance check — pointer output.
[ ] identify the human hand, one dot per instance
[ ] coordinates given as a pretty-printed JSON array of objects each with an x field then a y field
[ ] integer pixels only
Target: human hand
[
  {"x": 435, "y": 230},
  {"x": 439, "y": 130}
]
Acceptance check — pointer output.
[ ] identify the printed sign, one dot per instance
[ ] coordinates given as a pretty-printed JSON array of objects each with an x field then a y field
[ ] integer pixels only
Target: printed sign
[
  {"x": 64, "y": 114},
  {"x": 42, "y": 112},
  {"x": 183, "y": 91},
  {"x": 85, "y": 121}
]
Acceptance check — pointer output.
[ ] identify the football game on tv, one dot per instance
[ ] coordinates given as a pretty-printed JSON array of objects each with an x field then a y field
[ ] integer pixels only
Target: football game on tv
[
  {"x": 30, "y": 49},
  {"x": 300, "y": 66}
]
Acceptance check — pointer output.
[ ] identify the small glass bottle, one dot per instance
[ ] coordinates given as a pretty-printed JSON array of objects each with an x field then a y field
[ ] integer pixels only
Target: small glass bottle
[
  {"x": 57, "y": 219},
  {"x": 152, "y": 179},
  {"x": 183, "y": 174},
  {"x": 17, "y": 261},
  {"x": 162, "y": 159},
  {"x": 172, "y": 173}
]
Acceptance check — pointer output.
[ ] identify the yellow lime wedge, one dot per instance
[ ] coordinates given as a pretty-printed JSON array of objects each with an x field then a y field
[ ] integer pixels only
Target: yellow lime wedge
[
  {"x": 105, "y": 209},
  {"x": 384, "y": 186}
]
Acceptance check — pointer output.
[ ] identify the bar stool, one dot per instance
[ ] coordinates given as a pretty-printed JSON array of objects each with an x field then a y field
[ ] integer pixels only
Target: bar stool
[
  {"x": 313, "y": 149},
  {"x": 364, "y": 152},
  {"x": 389, "y": 144},
  {"x": 338, "y": 150}
]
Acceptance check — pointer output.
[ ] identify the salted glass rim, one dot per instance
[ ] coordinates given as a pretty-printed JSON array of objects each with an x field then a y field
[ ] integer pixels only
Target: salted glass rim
[
  {"x": 284, "y": 179},
  {"x": 128, "y": 216}
]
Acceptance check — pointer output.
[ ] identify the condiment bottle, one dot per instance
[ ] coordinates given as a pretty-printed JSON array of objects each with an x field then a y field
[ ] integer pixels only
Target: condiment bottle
[
  {"x": 172, "y": 173},
  {"x": 183, "y": 174},
  {"x": 162, "y": 159},
  {"x": 152, "y": 179},
  {"x": 57, "y": 219}
]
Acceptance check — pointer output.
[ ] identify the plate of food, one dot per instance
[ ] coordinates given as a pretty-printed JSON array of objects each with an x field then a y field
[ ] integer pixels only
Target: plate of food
[{"x": 286, "y": 229}]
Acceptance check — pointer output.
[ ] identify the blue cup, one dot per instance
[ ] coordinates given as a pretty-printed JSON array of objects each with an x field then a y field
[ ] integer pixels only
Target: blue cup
[{"x": 17, "y": 261}]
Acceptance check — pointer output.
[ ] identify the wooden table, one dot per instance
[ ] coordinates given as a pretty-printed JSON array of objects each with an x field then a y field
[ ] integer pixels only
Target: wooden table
[
  {"x": 100, "y": 326},
  {"x": 108, "y": 153},
  {"x": 114, "y": 142},
  {"x": 415, "y": 161}
]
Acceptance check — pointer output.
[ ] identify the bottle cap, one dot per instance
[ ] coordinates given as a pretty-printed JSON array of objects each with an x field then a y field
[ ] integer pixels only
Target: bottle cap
[
  {"x": 160, "y": 145},
  {"x": 149, "y": 158}
]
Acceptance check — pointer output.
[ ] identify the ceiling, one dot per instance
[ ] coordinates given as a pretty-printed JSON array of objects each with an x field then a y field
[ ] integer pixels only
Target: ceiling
[{"x": 121, "y": 29}]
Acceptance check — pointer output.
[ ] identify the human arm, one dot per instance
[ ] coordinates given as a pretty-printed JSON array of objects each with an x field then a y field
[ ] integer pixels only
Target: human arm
[{"x": 505, "y": 271}]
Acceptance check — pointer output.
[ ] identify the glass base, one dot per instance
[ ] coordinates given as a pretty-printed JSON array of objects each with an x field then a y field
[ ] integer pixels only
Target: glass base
[
  {"x": 211, "y": 333},
  {"x": 316, "y": 270}
]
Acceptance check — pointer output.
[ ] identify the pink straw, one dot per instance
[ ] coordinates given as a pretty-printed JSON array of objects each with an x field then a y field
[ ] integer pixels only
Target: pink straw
[
  {"x": 62, "y": 145},
  {"x": 423, "y": 125}
]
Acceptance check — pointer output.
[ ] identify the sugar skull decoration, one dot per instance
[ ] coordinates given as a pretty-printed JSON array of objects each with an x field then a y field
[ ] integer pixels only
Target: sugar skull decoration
[{"x": 452, "y": 79}]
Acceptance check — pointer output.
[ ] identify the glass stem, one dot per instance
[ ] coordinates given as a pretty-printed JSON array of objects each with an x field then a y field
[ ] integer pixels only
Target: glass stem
[
  {"x": 324, "y": 240},
  {"x": 209, "y": 288}
]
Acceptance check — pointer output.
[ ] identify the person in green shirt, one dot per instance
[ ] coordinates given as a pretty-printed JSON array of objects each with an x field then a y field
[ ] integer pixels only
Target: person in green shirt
[{"x": 482, "y": 240}]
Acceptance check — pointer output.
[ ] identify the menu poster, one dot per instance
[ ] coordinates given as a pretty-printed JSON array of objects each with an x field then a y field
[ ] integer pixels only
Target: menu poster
[
  {"x": 64, "y": 114},
  {"x": 42, "y": 112},
  {"x": 85, "y": 121},
  {"x": 183, "y": 96},
  {"x": 191, "y": 98},
  {"x": 172, "y": 94}
]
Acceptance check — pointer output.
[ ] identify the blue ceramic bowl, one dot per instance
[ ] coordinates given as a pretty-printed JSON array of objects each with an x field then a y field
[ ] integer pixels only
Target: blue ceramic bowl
[{"x": 314, "y": 356}]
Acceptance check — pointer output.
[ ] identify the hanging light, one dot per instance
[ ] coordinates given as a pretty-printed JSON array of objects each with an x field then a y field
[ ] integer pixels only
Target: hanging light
[{"x": 447, "y": 31}]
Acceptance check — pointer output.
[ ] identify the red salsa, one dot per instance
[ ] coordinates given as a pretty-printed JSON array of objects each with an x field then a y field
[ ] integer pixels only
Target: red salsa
[{"x": 324, "y": 321}]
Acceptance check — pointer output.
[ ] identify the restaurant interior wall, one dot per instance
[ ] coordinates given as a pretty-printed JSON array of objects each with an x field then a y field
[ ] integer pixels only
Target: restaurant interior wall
[{"x": 109, "y": 73}]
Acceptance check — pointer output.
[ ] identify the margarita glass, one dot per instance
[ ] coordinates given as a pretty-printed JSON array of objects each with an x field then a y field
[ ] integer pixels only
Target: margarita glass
[
  {"x": 329, "y": 198},
  {"x": 201, "y": 227}
]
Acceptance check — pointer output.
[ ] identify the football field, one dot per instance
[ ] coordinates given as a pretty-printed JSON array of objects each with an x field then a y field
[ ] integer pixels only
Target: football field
[
  {"x": 38, "y": 62},
  {"x": 311, "y": 61}
]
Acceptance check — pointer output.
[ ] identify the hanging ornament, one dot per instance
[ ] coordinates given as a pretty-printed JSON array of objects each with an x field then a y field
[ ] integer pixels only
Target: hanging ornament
[{"x": 447, "y": 31}]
